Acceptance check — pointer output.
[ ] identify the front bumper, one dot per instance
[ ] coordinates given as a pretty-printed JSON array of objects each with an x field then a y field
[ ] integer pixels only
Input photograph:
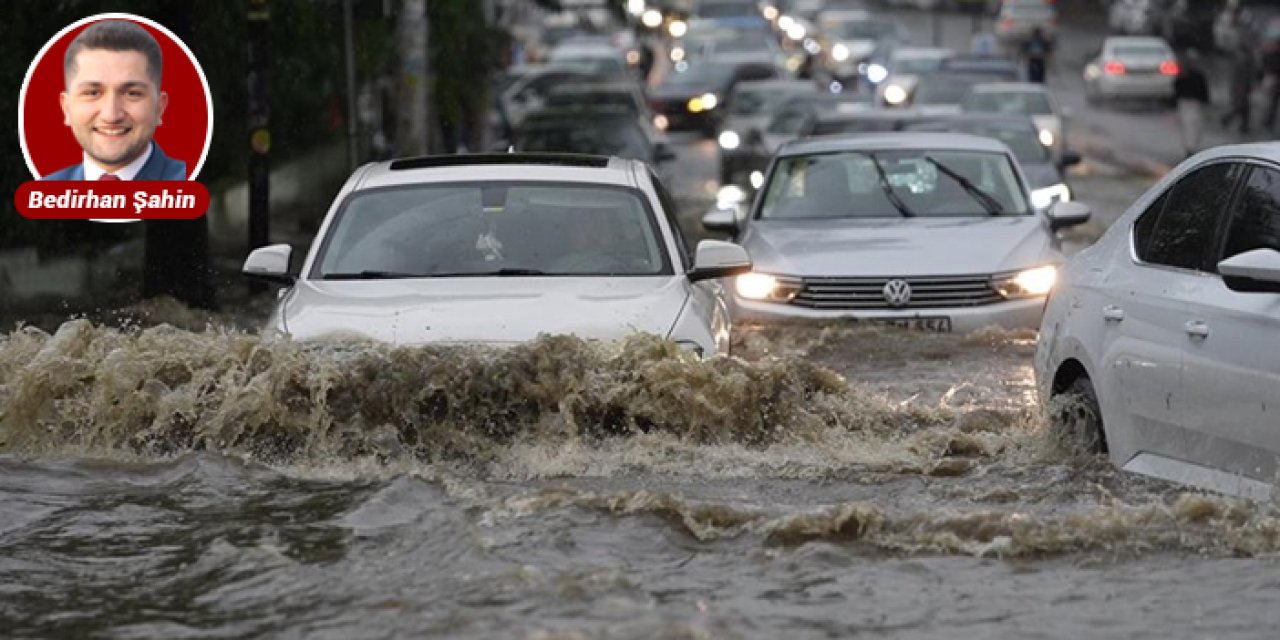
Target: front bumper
[{"x": 1012, "y": 314}]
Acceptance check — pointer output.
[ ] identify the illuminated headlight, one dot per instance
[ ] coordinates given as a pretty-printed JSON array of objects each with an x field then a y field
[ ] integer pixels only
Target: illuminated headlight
[
  {"x": 893, "y": 94},
  {"x": 1046, "y": 137},
  {"x": 652, "y": 18},
  {"x": 796, "y": 32},
  {"x": 1045, "y": 197},
  {"x": 677, "y": 54},
  {"x": 635, "y": 7},
  {"x": 840, "y": 53},
  {"x": 660, "y": 121},
  {"x": 812, "y": 46},
  {"x": 770, "y": 12},
  {"x": 785, "y": 22},
  {"x": 730, "y": 196},
  {"x": 762, "y": 286},
  {"x": 633, "y": 57},
  {"x": 709, "y": 101},
  {"x": 757, "y": 179},
  {"x": 729, "y": 140},
  {"x": 876, "y": 73},
  {"x": 1028, "y": 283},
  {"x": 678, "y": 28}
]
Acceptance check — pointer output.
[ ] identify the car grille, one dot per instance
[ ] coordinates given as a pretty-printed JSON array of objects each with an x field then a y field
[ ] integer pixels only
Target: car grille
[{"x": 868, "y": 293}]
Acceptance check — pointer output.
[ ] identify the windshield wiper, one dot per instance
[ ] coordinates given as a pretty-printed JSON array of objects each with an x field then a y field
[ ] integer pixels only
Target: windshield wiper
[
  {"x": 985, "y": 199},
  {"x": 888, "y": 189},
  {"x": 371, "y": 275},
  {"x": 506, "y": 271}
]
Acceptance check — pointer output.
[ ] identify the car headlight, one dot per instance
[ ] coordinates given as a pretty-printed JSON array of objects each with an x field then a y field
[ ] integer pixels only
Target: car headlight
[
  {"x": 730, "y": 196},
  {"x": 894, "y": 94},
  {"x": 757, "y": 179},
  {"x": 1027, "y": 283},
  {"x": 796, "y": 31},
  {"x": 709, "y": 101},
  {"x": 876, "y": 73},
  {"x": 677, "y": 54},
  {"x": 729, "y": 140},
  {"x": 1046, "y": 137},
  {"x": 1044, "y": 198},
  {"x": 840, "y": 53},
  {"x": 678, "y": 28},
  {"x": 762, "y": 286},
  {"x": 660, "y": 121}
]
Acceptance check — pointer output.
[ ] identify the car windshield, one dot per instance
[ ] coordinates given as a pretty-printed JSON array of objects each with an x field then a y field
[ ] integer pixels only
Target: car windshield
[
  {"x": 893, "y": 184},
  {"x": 917, "y": 65},
  {"x": 604, "y": 65},
  {"x": 757, "y": 100},
  {"x": 585, "y": 134},
  {"x": 1141, "y": 52},
  {"x": 612, "y": 99},
  {"x": 1026, "y": 103},
  {"x": 493, "y": 229},
  {"x": 942, "y": 89},
  {"x": 702, "y": 74},
  {"x": 863, "y": 30}
]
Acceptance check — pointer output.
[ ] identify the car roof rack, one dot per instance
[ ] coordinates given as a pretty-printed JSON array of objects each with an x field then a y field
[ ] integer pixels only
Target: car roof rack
[{"x": 470, "y": 159}]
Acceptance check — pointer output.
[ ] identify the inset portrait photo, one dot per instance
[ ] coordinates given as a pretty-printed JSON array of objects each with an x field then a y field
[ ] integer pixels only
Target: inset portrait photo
[{"x": 115, "y": 97}]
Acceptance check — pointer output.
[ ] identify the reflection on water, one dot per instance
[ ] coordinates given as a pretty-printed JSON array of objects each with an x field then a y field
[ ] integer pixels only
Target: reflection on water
[{"x": 832, "y": 480}]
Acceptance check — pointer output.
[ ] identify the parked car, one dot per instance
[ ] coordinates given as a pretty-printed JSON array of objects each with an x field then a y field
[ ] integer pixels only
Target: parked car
[
  {"x": 925, "y": 230},
  {"x": 1044, "y": 170},
  {"x": 1142, "y": 67},
  {"x": 1024, "y": 99},
  {"x": 1157, "y": 347},
  {"x": 498, "y": 249}
]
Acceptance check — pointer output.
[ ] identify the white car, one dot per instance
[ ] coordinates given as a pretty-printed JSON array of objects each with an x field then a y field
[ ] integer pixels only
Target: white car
[
  {"x": 498, "y": 249},
  {"x": 933, "y": 231},
  {"x": 1141, "y": 67},
  {"x": 1161, "y": 338}
]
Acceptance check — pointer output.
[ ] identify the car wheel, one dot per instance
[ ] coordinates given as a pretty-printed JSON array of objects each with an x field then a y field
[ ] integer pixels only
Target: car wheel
[{"x": 1075, "y": 418}]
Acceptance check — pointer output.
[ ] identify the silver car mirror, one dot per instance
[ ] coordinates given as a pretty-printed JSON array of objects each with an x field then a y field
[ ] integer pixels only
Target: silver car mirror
[
  {"x": 718, "y": 259},
  {"x": 1068, "y": 214},
  {"x": 270, "y": 263},
  {"x": 720, "y": 219},
  {"x": 1256, "y": 271}
]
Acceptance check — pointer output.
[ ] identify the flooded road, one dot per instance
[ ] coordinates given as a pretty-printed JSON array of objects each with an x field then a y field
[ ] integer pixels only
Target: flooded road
[{"x": 836, "y": 481}]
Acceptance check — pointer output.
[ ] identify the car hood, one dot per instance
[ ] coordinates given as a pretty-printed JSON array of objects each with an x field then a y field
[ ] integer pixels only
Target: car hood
[
  {"x": 483, "y": 310},
  {"x": 897, "y": 246}
]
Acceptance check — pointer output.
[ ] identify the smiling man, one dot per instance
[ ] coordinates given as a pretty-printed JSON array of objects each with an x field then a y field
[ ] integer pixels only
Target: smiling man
[{"x": 113, "y": 104}]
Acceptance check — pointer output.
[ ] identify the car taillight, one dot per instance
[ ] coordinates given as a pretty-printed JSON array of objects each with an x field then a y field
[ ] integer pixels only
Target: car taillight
[
  {"x": 1113, "y": 68},
  {"x": 1169, "y": 68}
]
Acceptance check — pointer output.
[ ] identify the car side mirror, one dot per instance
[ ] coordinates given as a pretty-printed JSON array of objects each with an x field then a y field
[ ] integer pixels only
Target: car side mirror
[
  {"x": 270, "y": 263},
  {"x": 1256, "y": 271},
  {"x": 1068, "y": 214},
  {"x": 662, "y": 152},
  {"x": 722, "y": 219},
  {"x": 1069, "y": 158},
  {"x": 718, "y": 259}
]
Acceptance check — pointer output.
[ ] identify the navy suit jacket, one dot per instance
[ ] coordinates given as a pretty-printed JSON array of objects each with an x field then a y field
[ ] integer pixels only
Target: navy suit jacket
[{"x": 158, "y": 167}]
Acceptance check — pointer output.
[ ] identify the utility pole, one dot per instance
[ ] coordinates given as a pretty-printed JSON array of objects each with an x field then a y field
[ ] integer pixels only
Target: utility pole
[
  {"x": 415, "y": 114},
  {"x": 259, "y": 120},
  {"x": 353, "y": 151}
]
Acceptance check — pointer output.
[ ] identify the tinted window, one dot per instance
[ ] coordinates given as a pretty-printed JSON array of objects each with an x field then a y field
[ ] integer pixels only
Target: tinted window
[
  {"x": 1186, "y": 228},
  {"x": 1146, "y": 226},
  {"x": 1255, "y": 223}
]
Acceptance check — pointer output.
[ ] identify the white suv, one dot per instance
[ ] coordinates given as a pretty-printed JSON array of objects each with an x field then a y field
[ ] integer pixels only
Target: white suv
[
  {"x": 499, "y": 249},
  {"x": 1163, "y": 335}
]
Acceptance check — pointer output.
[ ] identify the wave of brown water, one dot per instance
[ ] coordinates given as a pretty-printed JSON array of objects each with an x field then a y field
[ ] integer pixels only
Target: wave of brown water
[{"x": 165, "y": 483}]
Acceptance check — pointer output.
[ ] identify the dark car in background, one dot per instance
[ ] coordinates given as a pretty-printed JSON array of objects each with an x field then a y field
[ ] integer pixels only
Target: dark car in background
[
  {"x": 1188, "y": 24},
  {"x": 751, "y": 106},
  {"x": 606, "y": 131},
  {"x": 694, "y": 98}
]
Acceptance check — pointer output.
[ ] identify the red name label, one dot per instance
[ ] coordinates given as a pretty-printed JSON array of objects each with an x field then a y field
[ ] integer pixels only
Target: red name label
[{"x": 112, "y": 199}]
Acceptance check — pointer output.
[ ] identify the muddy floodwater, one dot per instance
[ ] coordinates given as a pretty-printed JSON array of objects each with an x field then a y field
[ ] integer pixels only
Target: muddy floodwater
[{"x": 828, "y": 482}]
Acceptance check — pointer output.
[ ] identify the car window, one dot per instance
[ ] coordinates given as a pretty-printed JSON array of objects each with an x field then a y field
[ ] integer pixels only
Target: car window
[
  {"x": 481, "y": 228},
  {"x": 1255, "y": 222},
  {"x": 790, "y": 121},
  {"x": 1020, "y": 102},
  {"x": 600, "y": 136},
  {"x": 1185, "y": 230},
  {"x": 850, "y": 185}
]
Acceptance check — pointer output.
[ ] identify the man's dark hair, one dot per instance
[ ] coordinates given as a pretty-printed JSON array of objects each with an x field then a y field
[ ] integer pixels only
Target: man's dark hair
[{"x": 116, "y": 35}]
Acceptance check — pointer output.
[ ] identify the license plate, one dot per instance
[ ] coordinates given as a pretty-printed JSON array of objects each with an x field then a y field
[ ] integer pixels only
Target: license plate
[{"x": 933, "y": 325}]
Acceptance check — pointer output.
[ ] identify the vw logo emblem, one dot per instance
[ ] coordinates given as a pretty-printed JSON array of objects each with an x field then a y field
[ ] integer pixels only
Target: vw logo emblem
[{"x": 897, "y": 293}]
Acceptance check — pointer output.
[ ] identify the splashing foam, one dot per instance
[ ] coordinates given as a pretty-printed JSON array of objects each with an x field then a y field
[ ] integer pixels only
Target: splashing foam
[{"x": 163, "y": 391}]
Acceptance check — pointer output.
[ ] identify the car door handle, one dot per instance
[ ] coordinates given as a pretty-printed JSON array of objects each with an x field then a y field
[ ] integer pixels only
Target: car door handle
[
  {"x": 1197, "y": 329},
  {"x": 1112, "y": 313}
]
